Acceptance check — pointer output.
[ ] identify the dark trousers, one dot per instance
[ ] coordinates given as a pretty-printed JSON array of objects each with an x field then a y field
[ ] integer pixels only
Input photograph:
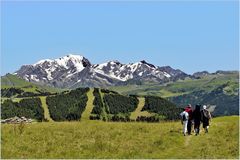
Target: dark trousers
[
  {"x": 205, "y": 123},
  {"x": 189, "y": 126},
  {"x": 197, "y": 126}
]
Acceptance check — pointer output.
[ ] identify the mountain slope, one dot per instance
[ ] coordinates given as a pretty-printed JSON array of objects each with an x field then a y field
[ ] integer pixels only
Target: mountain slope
[
  {"x": 13, "y": 81},
  {"x": 74, "y": 71},
  {"x": 221, "y": 89},
  {"x": 226, "y": 104},
  {"x": 10, "y": 80},
  {"x": 186, "y": 86},
  {"x": 54, "y": 72}
]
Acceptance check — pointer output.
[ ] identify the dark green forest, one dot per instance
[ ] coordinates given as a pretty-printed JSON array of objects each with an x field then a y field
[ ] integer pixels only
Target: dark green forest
[
  {"x": 68, "y": 106},
  {"x": 120, "y": 104},
  {"x": 9, "y": 92},
  {"x": 113, "y": 107},
  {"x": 162, "y": 107},
  {"x": 98, "y": 105},
  {"x": 29, "y": 108}
]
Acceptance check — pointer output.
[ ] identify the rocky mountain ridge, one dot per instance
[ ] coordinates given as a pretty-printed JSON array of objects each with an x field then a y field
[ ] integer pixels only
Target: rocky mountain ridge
[{"x": 72, "y": 71}]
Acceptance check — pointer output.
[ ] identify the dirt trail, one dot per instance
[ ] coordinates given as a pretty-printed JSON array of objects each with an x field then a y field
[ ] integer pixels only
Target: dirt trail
[{"x": 87, "y": 112}]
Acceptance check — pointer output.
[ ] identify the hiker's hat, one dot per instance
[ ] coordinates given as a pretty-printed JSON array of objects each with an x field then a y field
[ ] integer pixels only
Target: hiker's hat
[{"x": 204, "y": 107}]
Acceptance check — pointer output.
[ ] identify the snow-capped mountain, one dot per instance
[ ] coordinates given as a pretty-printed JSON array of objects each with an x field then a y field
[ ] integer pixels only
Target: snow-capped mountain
[
  {"x": 54, "y": 72},
  {"x": 124, "y": 72},
  {"x": 72, "y": 71}
]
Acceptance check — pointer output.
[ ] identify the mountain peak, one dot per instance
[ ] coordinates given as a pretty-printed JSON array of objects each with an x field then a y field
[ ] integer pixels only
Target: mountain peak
[
  {"x": 62, "y": 61},
  {"x": 143, "y": 61},
  {"x": 78, "y": 61},
  {"x": 149, "y": 64},
  {"x": 114, "y": 62},
  {"x": 74, "y": 56},
  {"x": 71, "y": 57},
  {"x": 42, "y": 61}
]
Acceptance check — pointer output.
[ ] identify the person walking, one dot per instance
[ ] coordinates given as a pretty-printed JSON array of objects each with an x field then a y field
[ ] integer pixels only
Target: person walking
[
  {"x": 189, "y": 110},
  {"x": 206, "y": 117},
  {"x": 184, "y": 120},
  {"x": 197, "y": 119}
]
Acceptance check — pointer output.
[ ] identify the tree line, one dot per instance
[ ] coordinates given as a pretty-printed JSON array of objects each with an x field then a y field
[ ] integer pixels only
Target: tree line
[
  {"x": 9, "y": 92},
  {"x": 19, "y": 93}
]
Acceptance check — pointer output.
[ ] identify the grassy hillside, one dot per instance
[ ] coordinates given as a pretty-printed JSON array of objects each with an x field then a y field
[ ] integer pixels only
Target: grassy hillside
[
  {"x": 13, "y": 81},
  {"x": 45, "y": 108},
  {"x": 89, "y": 106},
  {"x": 139, "y": 112},
  {"x": 97, "y": 139},
  {"x": 219, "y": 89},
  {"x": 226, "y": 104},
  {"x": 186, "y": 86}
]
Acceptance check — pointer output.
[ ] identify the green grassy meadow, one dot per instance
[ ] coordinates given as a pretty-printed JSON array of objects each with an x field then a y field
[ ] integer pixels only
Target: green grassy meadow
[
  {"x": 10, "y": 80},
  {"x": 182, "y": 87},
  {"x": 138, "y": 111},
  {"x": 98, "y": 139},
  {"x": 45, "y": 108},
  {"x": 89, "y": 107}
]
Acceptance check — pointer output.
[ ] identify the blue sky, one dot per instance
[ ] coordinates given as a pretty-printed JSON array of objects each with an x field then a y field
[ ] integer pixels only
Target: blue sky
[{"x": 191, "y": 36}]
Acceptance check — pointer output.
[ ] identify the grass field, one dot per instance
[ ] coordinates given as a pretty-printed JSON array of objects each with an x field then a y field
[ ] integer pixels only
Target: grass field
[
  {"x": 89, "y": 107},
  {"x": 138, "y": 111},
  {"x": 45, "y": 108},
  {"x": 97, "y": 139}
]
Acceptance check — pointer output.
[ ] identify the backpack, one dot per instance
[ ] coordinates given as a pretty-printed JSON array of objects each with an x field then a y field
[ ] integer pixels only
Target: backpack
[
  {"x": 184, "y": 117},
  {"x": 206, "y": 114}
]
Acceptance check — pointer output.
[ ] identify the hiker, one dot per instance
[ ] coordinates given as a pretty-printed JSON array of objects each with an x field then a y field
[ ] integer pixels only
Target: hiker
[
  {"x": 188, "y": 109},
  {"x": 184, "y": 121},
  {"x": 197, "y": 119},
  {"x": 206, "y": 117}
]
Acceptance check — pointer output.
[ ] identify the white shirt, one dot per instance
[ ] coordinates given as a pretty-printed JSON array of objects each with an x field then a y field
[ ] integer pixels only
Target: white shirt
[{"x": 184, "y": 113}]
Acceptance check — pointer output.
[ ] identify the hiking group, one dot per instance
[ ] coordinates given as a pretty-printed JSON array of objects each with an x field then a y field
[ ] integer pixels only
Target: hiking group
[{"x": 190, "y": 117}]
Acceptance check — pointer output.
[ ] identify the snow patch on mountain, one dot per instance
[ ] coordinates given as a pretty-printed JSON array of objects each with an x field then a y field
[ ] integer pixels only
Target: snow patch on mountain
[
  {"x": 34, "y": 77},
  {"x": 42, "y": 61},
  {"x": 166, "y": 74}
]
